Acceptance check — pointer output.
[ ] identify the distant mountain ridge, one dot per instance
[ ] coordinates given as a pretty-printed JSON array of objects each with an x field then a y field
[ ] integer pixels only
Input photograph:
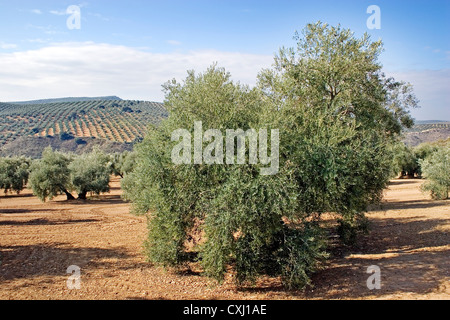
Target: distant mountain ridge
[{"x": 68, "y": 99}]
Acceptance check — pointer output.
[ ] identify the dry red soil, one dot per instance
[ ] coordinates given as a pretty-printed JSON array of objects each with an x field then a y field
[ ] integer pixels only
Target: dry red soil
[{"x": 409, "y": 241}]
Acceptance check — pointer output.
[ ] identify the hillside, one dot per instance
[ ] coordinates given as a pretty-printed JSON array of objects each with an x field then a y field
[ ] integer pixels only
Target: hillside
[
  {"x": 70, "y": 99},
  {"x": 427, "y": 131},
  {"x": 122, "y": 121},
  {"x": 33, "y": 146},
  {"x": 114, "y": 120}
]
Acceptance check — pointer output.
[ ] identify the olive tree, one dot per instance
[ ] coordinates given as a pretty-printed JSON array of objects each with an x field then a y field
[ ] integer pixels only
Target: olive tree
[
  {"x": 122, "y": 163},
  {"x": 337, "y": 117},
  {"x": 14, "y": 173},
  {"x": 90, "y": 172},
  {"x": 343, "y": 113},
  {"x": 436, "y": 171},
  {"x": 405, "y": 160},
  {"x": 50, "y": 175}
]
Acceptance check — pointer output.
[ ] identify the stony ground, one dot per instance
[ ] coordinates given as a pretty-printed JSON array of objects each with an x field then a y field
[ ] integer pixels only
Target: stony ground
[{"x": 409, "y": 241}]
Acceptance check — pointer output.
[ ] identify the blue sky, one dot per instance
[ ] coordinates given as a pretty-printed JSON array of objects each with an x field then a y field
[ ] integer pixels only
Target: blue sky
[{"x": 129, "y": 48}]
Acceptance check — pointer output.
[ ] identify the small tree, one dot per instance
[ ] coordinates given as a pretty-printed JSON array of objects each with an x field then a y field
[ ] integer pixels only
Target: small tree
[
  {"x": 122, "y": 163},
  {"x": 50, "y": 176},
  {"x": 423, "y": 151},
  {"x": 64, "y": 136},
  {"x": 14, "y": 173},
  {"x": 405, "y": 161},
  {"x": 90, "y": 172},
  {"x": 436, "y": 169}
]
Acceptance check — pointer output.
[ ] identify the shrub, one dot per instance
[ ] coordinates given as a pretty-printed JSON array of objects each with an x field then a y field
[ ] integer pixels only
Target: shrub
[
  {"x": 436, "y": 169},
  {"x": 338, "y": 118},
  {"x": 90, "y": 172},
  {"x": 80, "y": 141},
  {"x": 64, "y": 136},
  {"x": 405, "y": 161},
  {"x": 14, "y": 173},
  {"x": 50, "y": 175}
]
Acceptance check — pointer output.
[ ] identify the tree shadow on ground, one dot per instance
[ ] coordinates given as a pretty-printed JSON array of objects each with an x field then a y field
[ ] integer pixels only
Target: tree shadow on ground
[
  {"x": 42, "y": 260},
  {"x": 412, "y": 253},
  {"x": 32, "y": 210},
  {"x": 403, "y": 181},
  {"x": 412, "y": 204},
  {"x": 15, "y": 195},
  {"x": 45, "y": 222},
  {"x": 101, "y": 199}
]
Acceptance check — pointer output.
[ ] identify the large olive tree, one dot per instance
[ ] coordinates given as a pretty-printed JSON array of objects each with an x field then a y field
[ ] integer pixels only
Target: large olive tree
[{"x": 336, "y": 116}]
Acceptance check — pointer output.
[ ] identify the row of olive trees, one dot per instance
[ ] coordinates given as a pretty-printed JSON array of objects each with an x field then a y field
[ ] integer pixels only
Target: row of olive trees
[
  {"x": 338, "y": 118},
  {"x": 428, "y": 160},
  {"x": 406, "y": 160},
  {"x": 58, "y": 173}
]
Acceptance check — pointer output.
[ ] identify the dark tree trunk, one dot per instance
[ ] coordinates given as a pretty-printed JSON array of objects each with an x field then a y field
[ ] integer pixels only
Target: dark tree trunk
[
  {"x": 82, "y": 195},
  {"x": 68, "y": 195}
]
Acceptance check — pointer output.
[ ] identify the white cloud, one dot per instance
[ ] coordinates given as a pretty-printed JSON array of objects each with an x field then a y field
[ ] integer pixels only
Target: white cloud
[
  {"x": 4, "y": 45},
  {"x": 99, "y": 16},
  {"x": 51, "y": 30},
  {"x": 58, "y": 12},
  {"x": 36, "y": 11},
  {"x": 91, "y": 69},
  {"x": 431, "y": 88},
  {"x": 38, "y": 40},
  {"x": 174, "y": 42}
]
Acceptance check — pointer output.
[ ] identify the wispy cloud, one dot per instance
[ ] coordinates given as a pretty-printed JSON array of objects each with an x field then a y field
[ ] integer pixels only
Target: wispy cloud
[
  {"x": 173, "y": 42},
  {"x": 58, "y": 12},
  {"x": 4, "y": 45},
  {"x": 99, "y": 16},
  {"x": 50, "y": 30},
  {"x": 63, "y": 12},
  {"x": 36, "y": 11},
  {"x": 38, "y": 40}
]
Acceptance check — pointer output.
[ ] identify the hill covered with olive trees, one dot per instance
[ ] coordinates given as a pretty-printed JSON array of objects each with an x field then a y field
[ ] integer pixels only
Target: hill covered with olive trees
[{"x": 75, "y": 124}]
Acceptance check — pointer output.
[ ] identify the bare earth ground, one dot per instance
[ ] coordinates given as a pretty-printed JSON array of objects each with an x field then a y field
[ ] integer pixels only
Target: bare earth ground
[{"x": 409, "y": 241}]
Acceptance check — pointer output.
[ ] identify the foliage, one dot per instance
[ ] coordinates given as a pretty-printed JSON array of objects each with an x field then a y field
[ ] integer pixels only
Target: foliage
[
  {"x": 122, "y": 163},
  {"x": 338, "y": 118},
  {"x": 50, "y": 176},
  {"x": 436, "y": 169},
  {"x": 14, "y": 173},
  {"x": 90, "y": 172},
  {"x": 424, "y": 150},
  {"x": 344, "y": 117},
  {"x": 405, "y": 161},
  {"x": 80, "y": 141},
  {"x": 71, "y": 118},
  {"x": 66, "y": 136}
]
